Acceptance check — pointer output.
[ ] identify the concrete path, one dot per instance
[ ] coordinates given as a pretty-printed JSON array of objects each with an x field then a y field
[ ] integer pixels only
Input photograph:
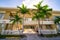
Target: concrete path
[
  {"x": 33, "y": 37},
  {"x": 36, "y": 37}
]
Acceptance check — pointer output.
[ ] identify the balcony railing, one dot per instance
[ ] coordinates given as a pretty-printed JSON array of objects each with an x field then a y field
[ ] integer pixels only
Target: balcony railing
[
  {"x": 12, "y": 32},
  {"x": 29, "y": 22},
  {"x": 5, "y": 21},
  {"x": 36, "y": 22},
  {"x": 20, "y": 32},
  {"x": 48, "y": 31}
]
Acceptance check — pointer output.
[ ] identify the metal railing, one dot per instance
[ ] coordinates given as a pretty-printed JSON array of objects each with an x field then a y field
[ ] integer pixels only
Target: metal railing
[
  {"x": 29, "y": 22},
  {"x": 36, "y": 22},
  {"x": 12, "y": 32},
  {"x": 48, "y": 31}
]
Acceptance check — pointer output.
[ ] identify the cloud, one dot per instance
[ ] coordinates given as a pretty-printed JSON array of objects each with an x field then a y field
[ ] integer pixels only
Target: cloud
[{"x": 30, "y": 3}]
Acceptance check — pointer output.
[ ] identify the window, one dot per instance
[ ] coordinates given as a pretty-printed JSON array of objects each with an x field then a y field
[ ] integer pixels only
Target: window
[
  {"x": 1, "y": 15},
  {"x": 48, "y": 26},
  {"x": 11, "y": 16},
  {"x": 28, "y": 19}
]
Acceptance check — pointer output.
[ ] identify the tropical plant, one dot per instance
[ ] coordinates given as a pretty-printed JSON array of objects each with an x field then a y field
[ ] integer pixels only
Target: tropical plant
[
  {"x": 42, "y": 12},
  {"x": 38, "y": 6},
  {"x": 47, "y": 11},
  {"x": 36, "y": 17},
  {"x": 16, "y": 20},
  {"x": 57, "y": 20},
  {"x": 39, "y": 12},
  {"x": 23, "y": 9}
]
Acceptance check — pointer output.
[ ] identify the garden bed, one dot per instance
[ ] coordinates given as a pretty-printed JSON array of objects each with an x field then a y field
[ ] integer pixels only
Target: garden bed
[
  {"x": 49, "y": 35},
  {"x": 5, "y": 36}
]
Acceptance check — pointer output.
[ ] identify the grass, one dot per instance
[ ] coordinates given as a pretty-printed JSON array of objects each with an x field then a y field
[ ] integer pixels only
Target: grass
[{"x": 5, "y": 36}]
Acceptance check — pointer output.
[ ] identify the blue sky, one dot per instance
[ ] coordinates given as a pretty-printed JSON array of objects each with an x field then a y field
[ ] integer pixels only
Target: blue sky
[
  {"x": 55, "y": 4},
  {"x": 10, "y": 3}
]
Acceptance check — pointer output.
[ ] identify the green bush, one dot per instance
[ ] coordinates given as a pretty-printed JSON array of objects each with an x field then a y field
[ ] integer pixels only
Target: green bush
[
  {"x": 4, "y": 36},
  {"x": 48, "y": 35}
]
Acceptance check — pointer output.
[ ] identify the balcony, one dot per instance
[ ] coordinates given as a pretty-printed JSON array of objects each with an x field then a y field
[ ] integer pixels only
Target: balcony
[
  {"x": 30, "y": 22},
  {"x": 12, "y": 32},
  {"x": 5, "y": 21},
  {"x": 36, "y": 22},
  {"x": 48, "y": 31}
]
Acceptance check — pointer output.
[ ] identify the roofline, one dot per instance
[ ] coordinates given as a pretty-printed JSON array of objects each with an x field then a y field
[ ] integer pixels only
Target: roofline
[
  {"x": 8, "y": 7},
  {"x": 28, "y": 8}
]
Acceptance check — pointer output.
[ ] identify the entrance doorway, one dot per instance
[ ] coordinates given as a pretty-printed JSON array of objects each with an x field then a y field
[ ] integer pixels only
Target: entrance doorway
[{"x": 29, "y": 29}]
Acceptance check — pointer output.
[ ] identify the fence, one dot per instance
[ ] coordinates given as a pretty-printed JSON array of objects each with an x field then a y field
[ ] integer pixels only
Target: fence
[
  {"x": 11, "y": 32},
  {"x": 48, "y": 31}
]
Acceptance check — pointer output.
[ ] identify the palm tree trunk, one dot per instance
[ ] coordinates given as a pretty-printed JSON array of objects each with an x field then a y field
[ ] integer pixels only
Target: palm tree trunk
[
  {"x": 42, "y": 22},
  {"x": 18, "y": 28},
  {"x": 23, "y": 23},
  {"x": 11, "y": 26},
  {"x": 39, "y": 26}
]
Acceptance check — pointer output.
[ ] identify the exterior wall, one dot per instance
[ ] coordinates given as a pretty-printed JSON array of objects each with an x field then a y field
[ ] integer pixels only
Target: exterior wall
[{"x": 7, "y": 12}]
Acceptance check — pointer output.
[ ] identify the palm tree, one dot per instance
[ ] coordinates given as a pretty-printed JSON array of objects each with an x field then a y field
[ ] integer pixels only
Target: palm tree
[
  {"x": 47, "y": 11},
  {"x": 42, "y": 12},
  {"x": 38, "y": 6},
  {"x": 16, "y": 19},
  {"x": 57, "y": 21},
  {"x": 23, "y": 11},
  {"x": 38, "y": 16}
]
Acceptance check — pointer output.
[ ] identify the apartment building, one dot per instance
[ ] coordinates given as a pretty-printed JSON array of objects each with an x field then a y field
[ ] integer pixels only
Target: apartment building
[{"x": 6, "y": 27}]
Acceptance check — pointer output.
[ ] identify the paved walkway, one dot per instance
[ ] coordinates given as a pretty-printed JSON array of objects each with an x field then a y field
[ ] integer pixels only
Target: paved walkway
[
  {"x": 35, "y": 37},
  {"x": 32, "y": 37}
]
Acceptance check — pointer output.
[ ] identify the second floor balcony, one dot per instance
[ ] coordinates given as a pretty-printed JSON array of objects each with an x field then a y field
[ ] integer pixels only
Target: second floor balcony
[
  {"x": 36, "y": 22},
  {"x": 30, "y": 22}
]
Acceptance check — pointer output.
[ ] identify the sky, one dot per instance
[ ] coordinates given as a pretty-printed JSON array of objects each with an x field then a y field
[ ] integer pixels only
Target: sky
[{"x": 54, "y": 4}]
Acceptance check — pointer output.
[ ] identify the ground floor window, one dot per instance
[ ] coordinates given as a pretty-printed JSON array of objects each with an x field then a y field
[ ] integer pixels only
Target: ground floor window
[
  {"x": 48, "y": 26},
  {"x": 29, "y": 27}
]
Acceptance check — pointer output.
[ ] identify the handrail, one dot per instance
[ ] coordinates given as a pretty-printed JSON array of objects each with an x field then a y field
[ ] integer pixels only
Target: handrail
[{"x": 29, "y": 22}]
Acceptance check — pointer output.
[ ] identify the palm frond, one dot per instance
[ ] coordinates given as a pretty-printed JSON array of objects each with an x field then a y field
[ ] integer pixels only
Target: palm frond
[
  {"x": 16, "y": 19},
  {"x": 57, "y": 20},
  {"x": 50, "y": 9},
  {"x": 45, "y": 7}
]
